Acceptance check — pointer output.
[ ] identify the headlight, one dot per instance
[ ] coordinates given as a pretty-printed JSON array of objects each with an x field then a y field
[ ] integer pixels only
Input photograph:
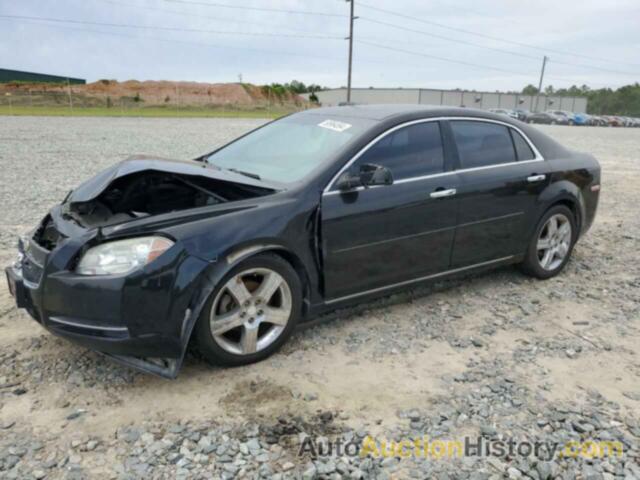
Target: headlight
[{"x": 122, "y": 256}]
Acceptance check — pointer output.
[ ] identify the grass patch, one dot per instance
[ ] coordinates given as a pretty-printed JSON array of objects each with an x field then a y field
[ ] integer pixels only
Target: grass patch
[{"x": 183, "y": 112}]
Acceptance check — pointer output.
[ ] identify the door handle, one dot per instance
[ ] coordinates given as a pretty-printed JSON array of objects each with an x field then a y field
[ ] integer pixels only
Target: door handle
[
  {"x": 536, "y": 178},
  {"x": 443, "y": 193}
]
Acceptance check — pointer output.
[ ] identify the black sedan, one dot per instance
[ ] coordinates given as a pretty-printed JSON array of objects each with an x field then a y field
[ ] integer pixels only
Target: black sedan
[
  {"x": 308, "y": 213},
  {"x": 547, "y": 118}
]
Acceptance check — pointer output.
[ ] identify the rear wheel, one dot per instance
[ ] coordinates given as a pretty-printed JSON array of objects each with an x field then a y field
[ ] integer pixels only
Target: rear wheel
[
  {"x": 251, "y": 313},
  {"x": 552, "y": 243}
]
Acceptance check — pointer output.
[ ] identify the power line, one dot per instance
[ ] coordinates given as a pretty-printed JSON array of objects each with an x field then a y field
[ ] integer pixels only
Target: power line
[
  {"x": 58, "y": 24},
  {"x": 257, "y": 50},
  {"x": 165, "y": 28},
  {"x": 490, "y": 37},
  {"x": 257, "y": 9},
  {"x": 509, "y": 52},
  {"x": 590, "y": 82},
  {"x": 205, "y": 17},
  {"x": 459, "y": 62},
  {"x": 593, "y": 67},
  {"x": 201, "y": 44},
  {"x": 399, "y": 27},
  {"x": 470, "y": 64},
  {"x": 442, "y": 37}
]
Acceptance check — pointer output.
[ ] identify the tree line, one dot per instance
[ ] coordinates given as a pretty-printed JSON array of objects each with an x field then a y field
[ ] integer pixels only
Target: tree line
[
  {"x": 603, "y": 101},
  {"x": 295, "y": 87}
]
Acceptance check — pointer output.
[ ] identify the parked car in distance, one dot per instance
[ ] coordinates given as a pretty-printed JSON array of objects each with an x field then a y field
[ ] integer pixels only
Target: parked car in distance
[
  {"x": 547, "y": 118},
  {"x": 628, "y": 121},
  {"x": 569, "y": 116},
  {"x": 504, "y": 111},
  {"x": 609, "y": 121},
  {"x": 522, "y": 114},
  {"x": 312, "y": 212},
  {"x": 582, "y": 119},
  {"x": 615, "y": 121}
]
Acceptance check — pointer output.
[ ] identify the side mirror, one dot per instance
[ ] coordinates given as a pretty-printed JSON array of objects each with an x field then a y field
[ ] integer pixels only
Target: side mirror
[
  {"x": 369, "y": 175},
  {"x": 348, "y": 181},
  {"x": 375, "y": 175}
]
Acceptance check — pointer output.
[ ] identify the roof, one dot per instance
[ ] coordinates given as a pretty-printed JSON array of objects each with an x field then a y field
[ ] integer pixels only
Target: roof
[
  {"x": 385, "y": 112},
  {"x": 7, "y": 75},
  {"x": 392, "y": 114}
]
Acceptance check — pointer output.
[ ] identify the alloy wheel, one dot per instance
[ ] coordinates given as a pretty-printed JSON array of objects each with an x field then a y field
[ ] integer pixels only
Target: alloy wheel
[
  {"x": 251, "y": 311},
  {"x": 554, "y": 241}
]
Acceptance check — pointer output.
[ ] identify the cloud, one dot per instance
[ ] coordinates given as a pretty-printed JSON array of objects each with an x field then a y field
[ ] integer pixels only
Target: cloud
[{"x": 592, "y": 29}]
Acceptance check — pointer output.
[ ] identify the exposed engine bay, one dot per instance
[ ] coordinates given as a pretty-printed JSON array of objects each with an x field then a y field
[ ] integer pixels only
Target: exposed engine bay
[{"x": 150, "y": 192}]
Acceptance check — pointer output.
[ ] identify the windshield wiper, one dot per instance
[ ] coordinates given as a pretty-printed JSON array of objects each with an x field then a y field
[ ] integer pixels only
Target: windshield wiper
[{"x": 246, "y": 174}]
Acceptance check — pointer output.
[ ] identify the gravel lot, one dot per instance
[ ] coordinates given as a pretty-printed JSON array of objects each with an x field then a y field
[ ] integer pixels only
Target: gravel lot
[{"x": 498, "y": 355}]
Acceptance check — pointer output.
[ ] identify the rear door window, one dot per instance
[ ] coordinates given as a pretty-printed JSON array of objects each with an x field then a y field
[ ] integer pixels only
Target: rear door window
[
  {"x": 482, "y": 144},
  {"x": 523, "y": 149}
]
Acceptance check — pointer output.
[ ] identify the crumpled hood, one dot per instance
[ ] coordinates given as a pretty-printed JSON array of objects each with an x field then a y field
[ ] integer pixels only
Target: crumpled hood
[{"x": 93, "y": 187}]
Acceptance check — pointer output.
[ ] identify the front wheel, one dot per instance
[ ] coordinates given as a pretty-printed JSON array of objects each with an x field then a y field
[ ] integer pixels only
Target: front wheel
[
  {"x": 251, "y": 313},
  {"x": 552, "y": 243}
]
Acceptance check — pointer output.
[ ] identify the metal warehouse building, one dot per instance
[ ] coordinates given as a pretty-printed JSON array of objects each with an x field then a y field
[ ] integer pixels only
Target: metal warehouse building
[
  {"x": 18, "y": 76},
  {"x": 452, "y": 98}
]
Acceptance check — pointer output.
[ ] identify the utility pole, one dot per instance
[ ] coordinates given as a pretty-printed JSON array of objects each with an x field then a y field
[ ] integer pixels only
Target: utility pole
[
  {"x": 177, "y": 99},
  {"x": 8, "y": 95},
  {"x": 544, "y": 63},
  {"x": 69, "y": 92},
  {"x": 351, "y": 19}
]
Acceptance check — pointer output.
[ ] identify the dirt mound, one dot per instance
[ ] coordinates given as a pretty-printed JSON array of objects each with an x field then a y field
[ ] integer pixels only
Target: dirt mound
[{"x": 155, "y": 93}]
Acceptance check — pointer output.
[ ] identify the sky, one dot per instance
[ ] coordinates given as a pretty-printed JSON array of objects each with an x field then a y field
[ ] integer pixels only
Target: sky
[{"x": 485, "y": 45}]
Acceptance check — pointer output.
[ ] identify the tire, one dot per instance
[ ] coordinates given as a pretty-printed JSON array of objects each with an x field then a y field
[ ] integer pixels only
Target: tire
[
  {"x": 254, "y": 337},
  {"x": 550, "y": 264}
]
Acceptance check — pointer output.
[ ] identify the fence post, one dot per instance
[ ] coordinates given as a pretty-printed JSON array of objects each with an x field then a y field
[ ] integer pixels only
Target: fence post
[{"x": 70, "y": 99}]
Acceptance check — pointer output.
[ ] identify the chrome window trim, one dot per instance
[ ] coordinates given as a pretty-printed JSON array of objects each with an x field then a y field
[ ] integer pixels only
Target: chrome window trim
[{"x": 538, "y": 156}]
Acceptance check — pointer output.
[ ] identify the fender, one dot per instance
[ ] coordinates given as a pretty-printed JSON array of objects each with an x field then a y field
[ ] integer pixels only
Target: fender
[
  {"x": 558, "y": 192},
  {"x": 211, "y": 277},
  {"x": 303, "y": 269}
]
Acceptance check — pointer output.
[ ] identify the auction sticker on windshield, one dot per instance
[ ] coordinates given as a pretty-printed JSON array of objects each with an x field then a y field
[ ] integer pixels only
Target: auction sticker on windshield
[{"x": 335, "y": 125}]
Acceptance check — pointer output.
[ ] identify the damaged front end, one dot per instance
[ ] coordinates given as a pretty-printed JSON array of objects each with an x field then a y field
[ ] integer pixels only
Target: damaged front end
[
  {"x": 141, "y": 312},
  {"x": 141, "y": 187}
]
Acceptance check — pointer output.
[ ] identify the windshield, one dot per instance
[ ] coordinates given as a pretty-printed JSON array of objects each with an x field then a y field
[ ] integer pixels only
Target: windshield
[{"x": 287, "y": 150}]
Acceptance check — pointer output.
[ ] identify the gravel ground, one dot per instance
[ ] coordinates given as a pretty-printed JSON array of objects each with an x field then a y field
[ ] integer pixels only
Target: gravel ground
[{"x": 497, "y": 355}]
